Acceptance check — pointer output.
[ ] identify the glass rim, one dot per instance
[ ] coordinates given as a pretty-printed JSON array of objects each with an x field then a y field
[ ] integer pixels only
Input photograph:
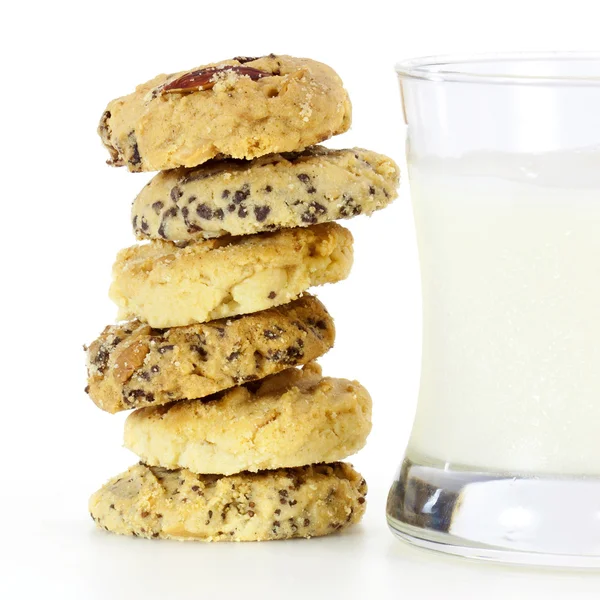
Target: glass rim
[{"x": 438, "y": 68}]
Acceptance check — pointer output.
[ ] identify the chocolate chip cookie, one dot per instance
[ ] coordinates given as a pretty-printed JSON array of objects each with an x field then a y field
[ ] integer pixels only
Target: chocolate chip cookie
[
  {"x": 153, "y": 502},
  {"x": 239, "y": 197},
  {"x": 294, "y": 418},
  {"x": 169, "y": 286},
  {"x": 132, "y": 365},
  {"x": 242, "y": 108}
]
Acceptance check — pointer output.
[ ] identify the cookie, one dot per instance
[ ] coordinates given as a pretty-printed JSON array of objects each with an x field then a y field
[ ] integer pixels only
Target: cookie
[
  {"x": 243, "y": 108},
  {"x": 170, "y": 286},
  {"x": 279, "y": 190},
  {"x": 132, "y": 365},
  {"x": 306, "y": 502},
  {"x": 291, "y": 419}
]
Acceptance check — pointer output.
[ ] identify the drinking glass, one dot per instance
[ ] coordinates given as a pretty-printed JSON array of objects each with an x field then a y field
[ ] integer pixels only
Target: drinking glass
[{"x": 503, "y": 156}]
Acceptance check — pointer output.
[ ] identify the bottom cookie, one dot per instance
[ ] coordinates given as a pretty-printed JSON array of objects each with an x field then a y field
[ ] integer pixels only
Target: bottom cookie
[{"x": 303, "y": 502}]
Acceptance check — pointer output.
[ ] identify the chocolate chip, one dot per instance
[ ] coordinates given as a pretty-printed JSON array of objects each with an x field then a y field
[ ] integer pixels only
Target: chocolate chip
[
  {"x": 200, "y": 350},
  {"x": 157, "y": 206},
  {"x": 276, "y": 524},
  {"x": 272, "y": 295},
  {"x": 135, "y": 151},
  {"x": 144, "y": 224},
  {"x": 86, "y": 389},
  {"x": 144, "y": 514},
  {"x": 144, "y": 375},
  {"x": 282, "y": 501},
  {"x": 251, "y": 504},
  {"x": 311, "y": 190},
  {"x": 250, "y": 513},
  {"x": 314, "y": 210},
  {"x": 100, "y": 361},
  {"x": 371, "y": 190},
  {"x": 306, "y": 522},
  {"x": 304, "y": 178},
  {"x": 204, "y": 212},
  {"x": 155, "y": 368},
  {"x": 242, "y": 212},
  {"x": 230, "y": 207},
  {"x": 225, "y": 194},
  {"x": 176, "y": 193},
  {"x": 278, "y": 511},
  {"x": 283, "y": 493},
  {"x": 116, "y": 341},
  {"x": 244, "y": 59},
  {"x": 220, "y": 331},
  {"x": 233, "y": 356},
  {"x": 218, "y": 214},
  {"x": 268, "y": 189},
  {"x": 261, "y": 213},
  {"x": 361, "y": 500},
  {"x": 134, "y": 222},
  {"x": 155, "y": 534},
  {"x": 112, "y": 506},
  {"x": 166, "y": 348},
  {"x": 241, "y": 194}
]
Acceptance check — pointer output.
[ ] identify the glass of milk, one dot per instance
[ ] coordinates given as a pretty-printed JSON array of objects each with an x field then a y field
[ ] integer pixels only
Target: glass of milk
[{"x": 503, "y": 156}]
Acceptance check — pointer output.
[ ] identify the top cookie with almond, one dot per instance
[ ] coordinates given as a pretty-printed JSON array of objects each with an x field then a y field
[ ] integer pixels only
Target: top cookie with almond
[{"x": 240, "y": 108}]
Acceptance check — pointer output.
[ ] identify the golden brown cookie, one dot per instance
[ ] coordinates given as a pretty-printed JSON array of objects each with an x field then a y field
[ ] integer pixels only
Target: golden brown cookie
[
  {"x": 132, "y": 365},
  {"x": 294, "y": 418},
  {"x": 242, "y": 108},
  {"x": 170, "y": 286},
  {"x": 306, "y": 502},
  {"x": 238, "y": 197}
]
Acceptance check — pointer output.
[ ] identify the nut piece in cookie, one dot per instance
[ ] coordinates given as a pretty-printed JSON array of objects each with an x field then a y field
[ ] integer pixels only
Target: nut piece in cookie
[{"x": 240, "y": 108}]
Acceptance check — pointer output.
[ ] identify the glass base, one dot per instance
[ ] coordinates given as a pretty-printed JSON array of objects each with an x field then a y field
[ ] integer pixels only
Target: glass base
[{"x": 515, "y": 519}]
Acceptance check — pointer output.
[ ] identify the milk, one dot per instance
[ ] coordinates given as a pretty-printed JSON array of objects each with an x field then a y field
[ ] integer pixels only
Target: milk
[{"x": 510, "y": 261}]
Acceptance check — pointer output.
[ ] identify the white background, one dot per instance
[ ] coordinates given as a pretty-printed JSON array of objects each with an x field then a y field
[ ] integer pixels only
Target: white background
[{"x": 65, "y": 214}]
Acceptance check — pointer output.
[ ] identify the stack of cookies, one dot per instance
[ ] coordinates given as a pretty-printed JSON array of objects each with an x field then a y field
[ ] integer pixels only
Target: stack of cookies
[{"x": 237, "y": 430}]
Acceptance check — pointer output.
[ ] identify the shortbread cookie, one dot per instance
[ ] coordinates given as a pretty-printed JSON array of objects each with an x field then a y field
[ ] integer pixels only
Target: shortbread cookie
[
  {"x": 238, "y": 197},
  {"x": 306, "y": 502},
  {"x": 170, "y": 286},
  {"x": 132, "y": 365},
  {"x": 243, "y": 108},
  {"x": 291, "y": 419}
]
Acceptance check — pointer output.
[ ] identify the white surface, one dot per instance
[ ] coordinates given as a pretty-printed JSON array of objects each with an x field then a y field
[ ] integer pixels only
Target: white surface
[
  {"x": 510, "y": 378},
  {"x": 65, "y": 214}
]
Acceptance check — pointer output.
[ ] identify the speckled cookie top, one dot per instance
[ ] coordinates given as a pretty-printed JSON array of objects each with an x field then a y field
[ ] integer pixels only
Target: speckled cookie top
[
  {"x": 132, "y": 365},
  {"x": 239, "y": 197},
  {"x": 244, "y": 108},
  {"x": 152, "y": 502}
]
